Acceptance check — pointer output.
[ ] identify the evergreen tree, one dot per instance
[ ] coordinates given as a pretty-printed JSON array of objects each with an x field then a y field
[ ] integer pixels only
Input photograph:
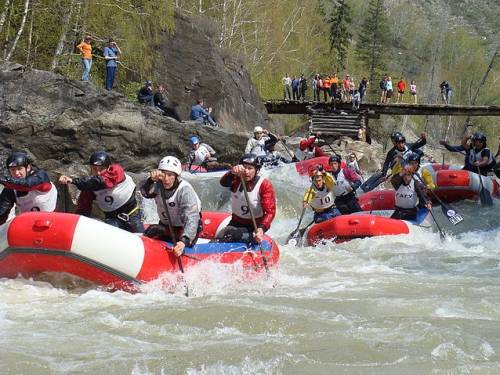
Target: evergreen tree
[
  {"x": 374, "y": 40},
  {"x": 340, "y": 36}
]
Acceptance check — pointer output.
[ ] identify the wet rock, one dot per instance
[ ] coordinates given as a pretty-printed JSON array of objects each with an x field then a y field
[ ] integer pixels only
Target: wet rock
[
  {"x": 60, "y": 122},
  {"x": 194, "y": 67}
]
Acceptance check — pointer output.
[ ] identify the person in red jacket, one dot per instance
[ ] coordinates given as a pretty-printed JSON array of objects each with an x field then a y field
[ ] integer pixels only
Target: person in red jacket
[
  {"x": 260, "y": 195},
  {"x": 112, "y": 189},
  {"x": 401, "y": 90},
  {"x": 307, "y": 149},
  {"x": 26, "y": 186}
]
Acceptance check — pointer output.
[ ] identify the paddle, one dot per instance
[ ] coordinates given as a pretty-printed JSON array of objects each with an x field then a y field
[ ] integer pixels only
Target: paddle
[
  {"x": 441, "y": 233},
  {"x": 451, "y": 214},
  {"x": 292, "y": 238},
  {"x": 484, "y": 193},
  {"x": 372, "y": 182},
  {"x": 286, "y": 148},
  {"x": 376, "y": 179},
  {"x": 172, "y": 234},
  {"x": 264, "y": 259}
]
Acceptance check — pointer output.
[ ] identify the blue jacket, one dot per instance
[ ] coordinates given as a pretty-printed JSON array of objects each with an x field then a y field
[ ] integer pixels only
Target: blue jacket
[{"x": 197, "y": 112}]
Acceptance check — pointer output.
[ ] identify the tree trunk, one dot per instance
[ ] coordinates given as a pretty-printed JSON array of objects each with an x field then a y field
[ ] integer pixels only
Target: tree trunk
[
  {"x": 4, "y": 14},
  {"x": 30, "y": 39},
  {"x": 20, "y": 31},
  {"x": 62, "y": 39}
]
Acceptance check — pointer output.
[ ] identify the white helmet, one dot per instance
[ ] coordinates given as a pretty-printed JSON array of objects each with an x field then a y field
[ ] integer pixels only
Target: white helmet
[
  {"x": 258, "y": 129},
  {"x": 171, "y": 164}
]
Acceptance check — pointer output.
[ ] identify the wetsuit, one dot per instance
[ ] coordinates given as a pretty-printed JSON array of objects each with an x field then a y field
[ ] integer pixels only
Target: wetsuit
[
  {"x": 33, "y": 193},
  {"x": 114, "y": 192},
  {"x": 345, "y": 200},
  {"x": 408, "y": 198},
  {"x": 394, "y": 152},
  {"x": 322, "y": 200},
  {"x": 263, "y": 205},
  {"x": 184, "y": 209}
]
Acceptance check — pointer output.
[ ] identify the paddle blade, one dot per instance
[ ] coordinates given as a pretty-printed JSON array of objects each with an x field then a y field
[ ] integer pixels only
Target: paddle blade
[
  {"x": 485, "y": 197},
  {"x": 294, "y": 239},
  {"x": 372, "y": 182},
  {"x": 453, "y": 216}
]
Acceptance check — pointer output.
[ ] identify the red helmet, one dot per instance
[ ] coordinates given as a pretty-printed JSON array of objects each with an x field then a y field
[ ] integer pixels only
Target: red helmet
[{"x": 303, "y": 144}]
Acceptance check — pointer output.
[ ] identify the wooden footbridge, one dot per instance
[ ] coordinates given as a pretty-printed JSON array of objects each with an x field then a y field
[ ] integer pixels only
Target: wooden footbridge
[{"x": 340, "y": 119}]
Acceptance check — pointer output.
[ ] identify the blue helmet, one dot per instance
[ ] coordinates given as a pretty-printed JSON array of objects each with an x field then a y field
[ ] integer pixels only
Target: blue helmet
[
  {"x": 334, "y": 157},
  {"x": 194, "y": 140},
  {"x": 18, "y": 159},
  {"x": 100, "y": 159}
]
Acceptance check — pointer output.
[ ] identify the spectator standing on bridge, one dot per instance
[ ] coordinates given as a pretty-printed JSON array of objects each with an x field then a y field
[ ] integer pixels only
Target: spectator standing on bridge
[
  {"x": 295, "y": 88},
  {"x": 346, "y": 84},
  {"x": 316, "y": 85},
  {"x": 401, "y": 90},
  {"x": 327, "y": 84},
  {"x": 334, "y": 87},
  {"x": 287, "y": 87},
  {"x": 383, "y": 90},
  {"x": 413, "y": 91},
  {"x": 389, "y": 92},
  {"x": 302, "y": 87},
  {"x": 356, "y": 100},
  {"x": 363, "y": 86},
  {"x": 445, "y": 92}
]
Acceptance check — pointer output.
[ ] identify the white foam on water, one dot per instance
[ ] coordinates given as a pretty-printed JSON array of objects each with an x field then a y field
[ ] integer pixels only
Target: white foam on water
[{"x": 392, "y": 304}]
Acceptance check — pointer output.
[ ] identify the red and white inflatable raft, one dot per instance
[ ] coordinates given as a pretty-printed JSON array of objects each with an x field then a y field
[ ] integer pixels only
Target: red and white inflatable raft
[
  {"x": 40, "y": 242},
  {"x": 454, "y": 184},
  {"x": 365, "y": 224}
]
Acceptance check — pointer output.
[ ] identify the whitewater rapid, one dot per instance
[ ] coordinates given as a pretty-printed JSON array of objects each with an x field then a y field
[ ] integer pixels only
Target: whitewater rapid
[{"x": 386, "y": 305}]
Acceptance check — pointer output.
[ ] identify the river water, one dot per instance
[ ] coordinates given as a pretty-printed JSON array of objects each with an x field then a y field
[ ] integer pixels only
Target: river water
[{"x": 386, "y": 305}]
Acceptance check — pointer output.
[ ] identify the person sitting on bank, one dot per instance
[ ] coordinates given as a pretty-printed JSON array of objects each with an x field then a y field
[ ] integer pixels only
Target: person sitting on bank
[
  {"x": 145, "y": 94},
  {"x": 346, "y": 183},
  {"x": 320, "y": 196},
  {"x": 175, "y": 200},
  {"x": 261, "y": 197},
  {"x": 307, "y": 149},
  {"x": 410, "y": 194},
  {"x": 200, "y": 114},
  {"x": 160, "y": 100},
  {"x": 26, "y": 187},
  {"x": 203, "y": 155},
  {"x": 112, "y": 189}
]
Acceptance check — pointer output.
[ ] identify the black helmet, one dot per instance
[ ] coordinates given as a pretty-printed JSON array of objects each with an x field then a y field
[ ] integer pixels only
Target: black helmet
[
  {"x": 414, "y": 156},
  {"x": 399, "y": 138},
  {"x": 394, "y": 135},
  {"x": 100, "y": 159},
  {"x": 18, "y": 159},
  {"x": 335, "y": 157},
  {"x": 479, "y": 137},
  {"x": 251, "y": 159}
]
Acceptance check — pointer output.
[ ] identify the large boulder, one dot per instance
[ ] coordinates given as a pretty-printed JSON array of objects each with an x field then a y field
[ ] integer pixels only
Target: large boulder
[
  {"x": 194, "y": 67},
  {"x": 60, "y": 122}
]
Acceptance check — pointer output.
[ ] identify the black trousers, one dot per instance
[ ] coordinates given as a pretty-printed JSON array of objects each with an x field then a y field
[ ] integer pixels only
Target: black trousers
[
  {"x": 347, "y": 204},
  {"x": 405, "y": 213}
]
